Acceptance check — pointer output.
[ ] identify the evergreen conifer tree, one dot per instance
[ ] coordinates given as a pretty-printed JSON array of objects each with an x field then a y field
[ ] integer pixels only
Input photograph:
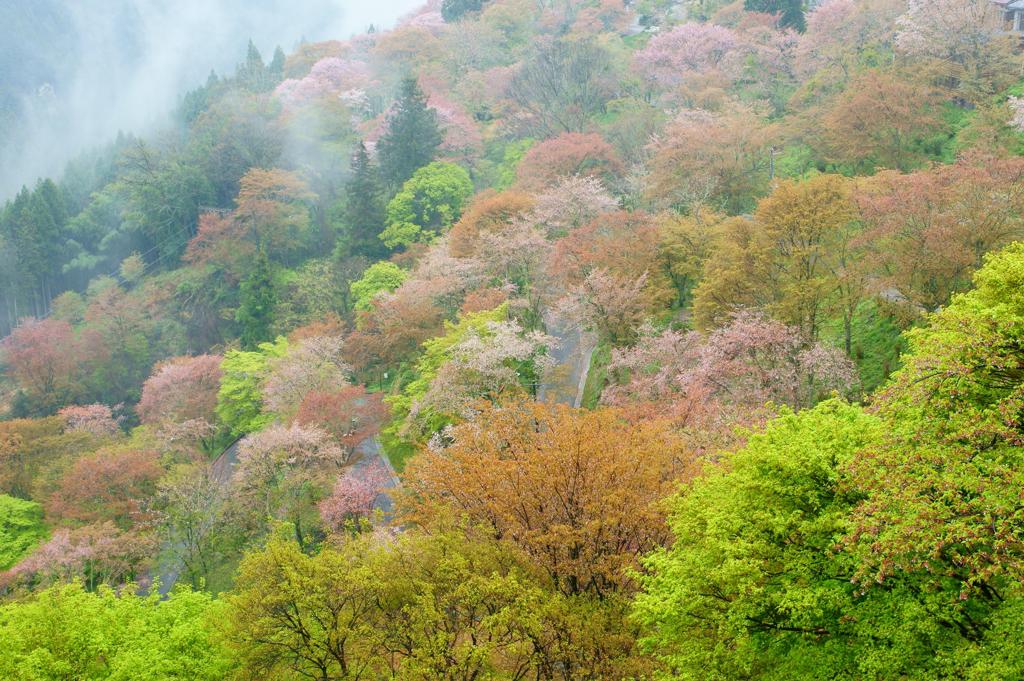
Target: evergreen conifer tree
[
  {"x": 791, "y": 12},
  {"x": 364, "y": 207},
  {"x": 256, "y": 307},
  {"x": 412, "y": 136}
]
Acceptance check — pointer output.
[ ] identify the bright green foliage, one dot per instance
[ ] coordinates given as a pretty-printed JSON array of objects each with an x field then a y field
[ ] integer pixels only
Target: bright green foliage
[
  {"x": 66, "y": 632},
  {"x": 21, "y": 528},
  {"x": 428, "y": 204},
  {"x": 381, "y": 276},
  {"x": 240, "y": 399},
  {"x": 256, "y": 309},
  {"x": 412, "y": 136},
  {"x": 752, "y": 586},
  {"x": 944, "y": 486}
]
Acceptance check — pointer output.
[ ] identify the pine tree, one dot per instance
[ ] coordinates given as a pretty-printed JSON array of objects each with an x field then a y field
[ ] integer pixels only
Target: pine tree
[
  {"x": 364, "y": 208},
  {"x": 791, "y": 12},
  {"x": 256, "y": 307},
  {"x": 412, "y": 136},
  {"x": 276, "y": 67},
  {"x": 252, "y": 73},
  {"x": 453, "y": 10}
]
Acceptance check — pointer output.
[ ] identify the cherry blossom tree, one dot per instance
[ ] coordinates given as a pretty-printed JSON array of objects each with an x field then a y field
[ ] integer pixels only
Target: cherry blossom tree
[
  {"x": 314, "y": 364},
  {"x": 353, "y": 495},
  {"x": 719, "y": 159},
  {"x": 689, "y": 50},
  {"x": 181, "y": 389},
  {"x": 741, "y": 367},
  {"x": 329, "y": 77},
  {"x": 95, "y": 419},
  {"x": 110, "y": 485},
  {"x": 485, "y": 365},
  {"x": 349, "y": 414},
  {"x": 44, "y": 358},
  {"x": 610, "y": 305},
  {"x": 283, "y": 469},
  {"x": 963, "y": 42},
  {"x": 97, "y": 554},
  {"x": 573, "y": 202}
]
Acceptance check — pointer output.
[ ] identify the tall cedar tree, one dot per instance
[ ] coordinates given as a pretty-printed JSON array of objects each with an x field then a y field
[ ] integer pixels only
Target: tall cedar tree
[
  {"x": 790, "y": 12},
  {"x": 256, "y": 308},
  {"x": 412, "y": 136},
  {"x": 364, "y": 207},
  {"x": 453, "y": 10}
]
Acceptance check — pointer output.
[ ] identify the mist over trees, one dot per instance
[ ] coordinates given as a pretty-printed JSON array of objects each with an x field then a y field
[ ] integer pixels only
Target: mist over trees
[{"x": 514, "y": 339}]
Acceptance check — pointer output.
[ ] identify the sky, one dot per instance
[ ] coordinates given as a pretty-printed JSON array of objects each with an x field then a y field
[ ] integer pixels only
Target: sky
[{"x": 96, "y": 67}]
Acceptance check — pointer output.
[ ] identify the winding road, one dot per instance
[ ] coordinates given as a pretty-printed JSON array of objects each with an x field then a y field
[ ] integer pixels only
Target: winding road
[{"x": 565, "y": 386}]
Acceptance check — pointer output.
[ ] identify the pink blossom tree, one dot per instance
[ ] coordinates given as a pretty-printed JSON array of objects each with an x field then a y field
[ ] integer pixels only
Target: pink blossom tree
[
  {"x": 330, "y": 77},
  {"x": 95, "y": 419},
  {"x": 282, "y": 470},
  {"x": 607, "y": 304},
  {"x": 689, "y": 50},
  {"x": 353, "y": 495},
  {"x": 181, "y": 389},
  {"x": 484, "y": 366},
  {"x": 314, "y": 364},
  {"x": 744, "y": 365},
  {"x": 97, "y": 554},
  {"x": 573, "y": 202}
]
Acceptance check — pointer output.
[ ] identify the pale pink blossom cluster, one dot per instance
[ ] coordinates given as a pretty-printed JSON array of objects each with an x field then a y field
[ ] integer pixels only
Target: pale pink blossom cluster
[
  {"x": 430, "y": 20},
  {"x": 329, "y": 77},
  {"x": 751, "y": 361},
  {"x": 1016, "y": 105},
  {"x": 353, "y": 495},
  {"x": 574, "y": 202},
  {"x": 181, "y": 389},
  {"x": 461, "y": 135},
  {"x": 484, "y": 365},
  {"x": 96, "y": 419},
  {"x": 100, "y": 552},
  {"x": 288, "y": 450},
  {"x": 607, "y": 304},
  {"x": 690, "y": 49},
  {"x": 313, "y": 365},
  {"x": 946, "y": 29}
]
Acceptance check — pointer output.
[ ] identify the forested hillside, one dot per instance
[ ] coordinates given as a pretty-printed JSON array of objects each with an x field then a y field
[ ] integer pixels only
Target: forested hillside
[{"x": 534, "y": 339}]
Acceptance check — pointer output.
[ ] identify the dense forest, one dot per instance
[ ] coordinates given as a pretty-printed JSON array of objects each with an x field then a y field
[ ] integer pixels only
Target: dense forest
[{"x": 534, "y": 339}]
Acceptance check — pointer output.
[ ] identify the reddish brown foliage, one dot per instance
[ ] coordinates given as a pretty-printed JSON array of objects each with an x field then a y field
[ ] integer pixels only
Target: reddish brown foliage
[
  {"x": 110, "y": 485},
  {"x": 570, "y": 153},
  {"x": 351, "y": 414},
  {"x": 490, "y": 212},
  {"x": 45, "y": 359},
  {"x": 579, "y": 491}
]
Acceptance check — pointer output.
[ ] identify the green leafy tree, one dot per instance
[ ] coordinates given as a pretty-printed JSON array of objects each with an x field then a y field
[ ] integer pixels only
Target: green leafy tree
[
  {"x": 364, "y": 207},
  {"x": 381, "y": 276},
  {"x": 752, "y": 586},
  {"x": 66, "y": 632},
  {"x": 240, "y": 398},
  {"x": 21, "y": 528},
  {"x": 257, "y": 299},
  {"x": 412, "y": 135},
  {"x": 430, "y": 201},
  {"x": 943, "y": 487}
]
